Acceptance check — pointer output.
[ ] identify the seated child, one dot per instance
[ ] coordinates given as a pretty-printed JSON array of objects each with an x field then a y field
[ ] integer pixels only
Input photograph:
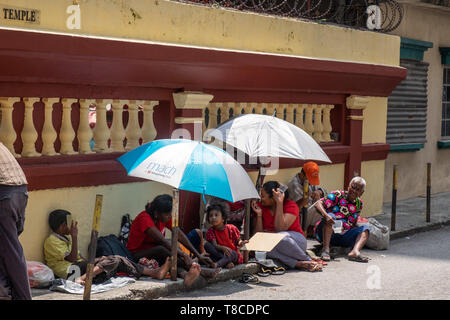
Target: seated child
[
  {"x": 62, "y": 256},
  {"x": 224, "y": 240}
]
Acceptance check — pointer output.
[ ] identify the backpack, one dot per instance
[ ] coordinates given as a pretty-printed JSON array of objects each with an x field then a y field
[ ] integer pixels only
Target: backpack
[
  {"x": 125, "y": 226},
  {"x": 111, "y": 245}
]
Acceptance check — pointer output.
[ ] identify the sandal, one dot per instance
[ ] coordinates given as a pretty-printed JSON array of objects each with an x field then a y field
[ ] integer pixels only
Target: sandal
[
  {"x": 325, "y": 256},
  {"x": 278, "y": 271},
  {"x": 264, "y": 272},
  {"x": 359, "y": 258},
  {"x": 249, "y": 278}
]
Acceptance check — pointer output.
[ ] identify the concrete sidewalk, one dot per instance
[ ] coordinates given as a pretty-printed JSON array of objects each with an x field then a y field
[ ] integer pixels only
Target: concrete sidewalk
[{"x": 410, "y": 219}]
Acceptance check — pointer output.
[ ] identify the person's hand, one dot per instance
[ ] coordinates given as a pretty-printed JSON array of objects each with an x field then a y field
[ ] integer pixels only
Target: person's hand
[
  {"x": 226, "y": 250},
  {"x": 74, "y": 229},
  {"x": 278, "y": 196},
  {"x": 316, "y": 195},
  {"x": 242, "y": 243},
  {"x": 328, "y": 219},
  {"x": 256, "y": 208}
]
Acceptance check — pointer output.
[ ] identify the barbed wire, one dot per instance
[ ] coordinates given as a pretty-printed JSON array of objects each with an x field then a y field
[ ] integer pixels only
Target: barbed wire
[{"x": 353, "y": 13}]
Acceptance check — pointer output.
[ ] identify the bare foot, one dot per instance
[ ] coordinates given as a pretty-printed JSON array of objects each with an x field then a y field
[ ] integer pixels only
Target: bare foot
[
  {"x": 311, "y": 266},
  {"x": 81, "y": 281},
  {"x": 230, "y": 265},
  {"x": 159, "y": 273},
  {"x": 209, "y": 273},
  {"x": 192, "y": 274}
]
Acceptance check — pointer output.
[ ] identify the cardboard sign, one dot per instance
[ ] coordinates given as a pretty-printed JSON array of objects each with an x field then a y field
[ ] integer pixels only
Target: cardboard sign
[{"x": 263, "y": 241}]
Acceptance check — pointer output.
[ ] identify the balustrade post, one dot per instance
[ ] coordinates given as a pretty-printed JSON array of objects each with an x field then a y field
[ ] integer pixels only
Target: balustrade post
[
  {"x": 228, "y": 106},
  {"x": 133, "y": 131},
  {"x": 327, "y": 128},
  {"x": 148, "y": 128},
  {"x": 7, "y": 133},
  {"x": 318, "y": 126},
  {"x": 49, "y": 134},
  {"x": 67, "y": 134},
  {"x": 101, "y": 130},
  {"x": 299, "y": 116},
  {"x": 212, "y": 107},
  {"x": 236, "y": 109},
  {"x": 29, "y": 134},
  {"x": 309, "y": 127},
  {"x": 84, "y": 129},
  {"x": 117, "y": 130}
]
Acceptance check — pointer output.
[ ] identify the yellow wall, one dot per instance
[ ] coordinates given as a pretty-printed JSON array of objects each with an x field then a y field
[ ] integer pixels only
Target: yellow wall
[
  {"x": 178, "y": 23},
  {"x": 374, "y": 123},
  {"x": 117, "y": 200},
  {"x": 430, "y": 25},
  {"x": 373, "y": 173}
]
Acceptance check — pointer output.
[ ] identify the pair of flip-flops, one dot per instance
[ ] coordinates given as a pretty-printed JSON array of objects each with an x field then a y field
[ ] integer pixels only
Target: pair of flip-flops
[{"x": 265, "y": 272}]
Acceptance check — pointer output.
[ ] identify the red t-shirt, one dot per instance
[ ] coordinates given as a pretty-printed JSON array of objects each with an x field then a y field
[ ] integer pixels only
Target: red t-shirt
[
  {"x": 289, "y": 207},
  {"x": 227, "y": 237},
  {"x": 138, "y": 240}
]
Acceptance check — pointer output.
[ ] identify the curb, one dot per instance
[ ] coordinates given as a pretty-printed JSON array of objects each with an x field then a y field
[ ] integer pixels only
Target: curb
[
  {"x": 172, "y": 287},
  {"x": 432, "y": 226}
]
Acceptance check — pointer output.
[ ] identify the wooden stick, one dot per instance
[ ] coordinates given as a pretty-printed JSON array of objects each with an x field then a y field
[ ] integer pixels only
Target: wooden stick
[
  {"x": 93, "y": 246},
  {"x": 174, "y": 251},
  {"x": 248, "y": 203}
]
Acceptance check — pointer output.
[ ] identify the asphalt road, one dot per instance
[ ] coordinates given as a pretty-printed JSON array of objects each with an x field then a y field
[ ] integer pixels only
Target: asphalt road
[{"x": 416, "y": 267}]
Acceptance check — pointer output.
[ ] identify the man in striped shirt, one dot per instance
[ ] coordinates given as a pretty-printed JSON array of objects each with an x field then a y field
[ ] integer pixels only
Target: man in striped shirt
[{"x": 13, "y": 200}]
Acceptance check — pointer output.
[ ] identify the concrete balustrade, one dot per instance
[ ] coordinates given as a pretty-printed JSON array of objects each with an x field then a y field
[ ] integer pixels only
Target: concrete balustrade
[
  {"x": 99, "y": 139},
  {"x": 313, "y": 118}
]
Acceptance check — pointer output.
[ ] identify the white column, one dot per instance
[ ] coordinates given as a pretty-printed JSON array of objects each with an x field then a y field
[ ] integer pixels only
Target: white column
[
  {"x": 49, "y": 134},
  {"x": 84, "y": 129},
  {"x": 101, "y": 130},
  {"x": 29, "y": 134},
  {"x": 117, "y": 129},
  {"x": 318, "y": 126},
  {"x": 327, "y": 128},
  {"x": 148, "y": 128},
  {"x": 133, "y": 132},
  {"x": 309, "y": 127},
  {"x": 7, "y": 133},
  {"x": 67, "y": 134}
]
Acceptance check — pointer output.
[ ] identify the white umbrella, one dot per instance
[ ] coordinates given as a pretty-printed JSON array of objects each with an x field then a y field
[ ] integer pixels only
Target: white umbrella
[{"x": 267, "y": 136}]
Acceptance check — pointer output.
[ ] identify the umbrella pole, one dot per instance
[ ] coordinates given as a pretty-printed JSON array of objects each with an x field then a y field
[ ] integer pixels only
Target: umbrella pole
[{"x": 174, "y": 251}]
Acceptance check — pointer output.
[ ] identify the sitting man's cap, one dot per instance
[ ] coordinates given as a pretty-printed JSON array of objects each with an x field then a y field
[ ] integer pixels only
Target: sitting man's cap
[{"x": 312, "y": 173}]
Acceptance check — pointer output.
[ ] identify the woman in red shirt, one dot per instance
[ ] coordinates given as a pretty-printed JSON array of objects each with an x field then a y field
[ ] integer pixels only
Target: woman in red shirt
[
  {"x": 276, "y": 213},
  {"x": 147, "y": 239}
]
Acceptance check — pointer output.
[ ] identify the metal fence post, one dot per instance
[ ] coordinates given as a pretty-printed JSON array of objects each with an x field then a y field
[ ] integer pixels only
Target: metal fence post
[
  {"x": 428, "y": 218},
  {"x": 394, "y": 198}
]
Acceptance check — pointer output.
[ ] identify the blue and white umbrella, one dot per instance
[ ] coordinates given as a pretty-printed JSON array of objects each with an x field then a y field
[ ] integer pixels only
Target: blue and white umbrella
[{"x": 192, "y": 166}]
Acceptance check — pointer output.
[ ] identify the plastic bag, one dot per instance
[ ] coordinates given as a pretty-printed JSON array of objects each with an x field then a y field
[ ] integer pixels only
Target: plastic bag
[
  {"x": 378, "y": 235},
  {"x": 39, "y": 275}
]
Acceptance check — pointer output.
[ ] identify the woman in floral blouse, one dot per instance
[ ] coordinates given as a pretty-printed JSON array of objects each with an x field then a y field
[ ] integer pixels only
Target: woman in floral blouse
[{"x": 345, "y": 206}]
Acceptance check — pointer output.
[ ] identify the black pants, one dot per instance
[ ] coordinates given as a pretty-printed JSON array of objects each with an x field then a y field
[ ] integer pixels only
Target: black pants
[
  {"x": 13, "y": 267},
  {"x": 219, "y": 257}
]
